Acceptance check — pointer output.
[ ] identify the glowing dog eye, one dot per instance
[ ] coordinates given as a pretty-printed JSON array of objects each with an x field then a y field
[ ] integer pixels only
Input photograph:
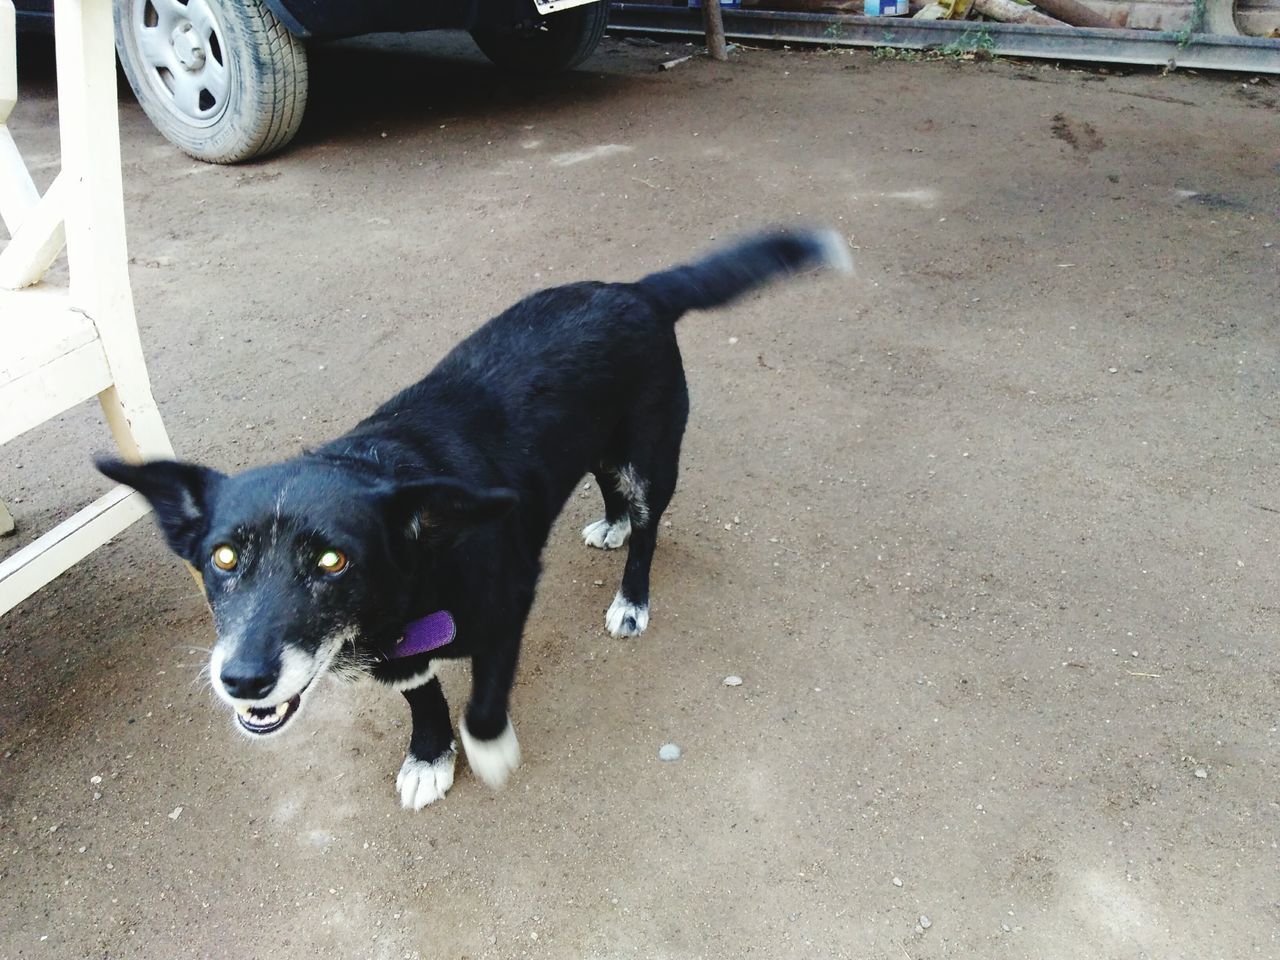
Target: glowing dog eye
[
  {"x": 332, "y": 561},
  {"x": 225, "y": 557}
]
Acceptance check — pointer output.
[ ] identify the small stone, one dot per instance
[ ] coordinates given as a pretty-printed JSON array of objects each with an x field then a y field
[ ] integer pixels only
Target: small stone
[
  {"x": 1201, "y": 773},
  {"x": 733, "y": 680},
  {"x": 1005, "y": 928},
  {"x": 1113, "y": 370},
  {"x": 733, "y": 340},
  {"x": 95, "y": 779},
  {"x": 176, "y": 813},
  {"x": 897, "y": 881},
  {"x": 925, "y": 922},
  {"x": 97, "y": 795},
  {"x": 669, "y": 752}
]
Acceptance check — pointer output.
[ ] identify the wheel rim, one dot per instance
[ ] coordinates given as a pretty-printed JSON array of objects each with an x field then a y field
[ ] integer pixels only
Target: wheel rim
[{"x": 182, "y": 57}]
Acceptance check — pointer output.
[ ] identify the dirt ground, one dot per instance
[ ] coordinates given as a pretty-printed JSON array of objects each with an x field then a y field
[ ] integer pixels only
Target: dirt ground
[{"x": 988, "y": 530}]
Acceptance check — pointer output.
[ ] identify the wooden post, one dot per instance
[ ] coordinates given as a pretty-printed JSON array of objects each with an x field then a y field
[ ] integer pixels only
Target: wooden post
[
  {"x": 96, "y": 254},
  {"x": 713, "y": 23},
  {"x": 17, "y": 192}
]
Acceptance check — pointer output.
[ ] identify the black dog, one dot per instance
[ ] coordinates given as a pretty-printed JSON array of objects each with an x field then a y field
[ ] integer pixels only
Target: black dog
[{"x": 417, "y": 535}]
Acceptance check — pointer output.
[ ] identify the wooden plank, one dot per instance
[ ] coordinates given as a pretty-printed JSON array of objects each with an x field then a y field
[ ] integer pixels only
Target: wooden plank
[
  {"x": 52, "y": 389},
  {"x": 30, "y": 568},
  {"x": 38, "y": 326},
  {"x": 38, "y": 241}
]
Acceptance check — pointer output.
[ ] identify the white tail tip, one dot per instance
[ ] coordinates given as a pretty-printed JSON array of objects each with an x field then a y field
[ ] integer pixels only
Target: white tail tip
[{"x": 835, "y": 250}]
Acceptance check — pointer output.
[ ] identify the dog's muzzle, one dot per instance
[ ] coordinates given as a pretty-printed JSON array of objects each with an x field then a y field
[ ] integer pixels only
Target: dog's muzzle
[{"x": 265, "y": 713}]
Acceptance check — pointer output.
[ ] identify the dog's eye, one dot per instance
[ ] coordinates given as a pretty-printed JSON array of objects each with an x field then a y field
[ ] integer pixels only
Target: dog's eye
[
  {"x": 225, "y": 557},
  {"x": 332, "y": 561}
]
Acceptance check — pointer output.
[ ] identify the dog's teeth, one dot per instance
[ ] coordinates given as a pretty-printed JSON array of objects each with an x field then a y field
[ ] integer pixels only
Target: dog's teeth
[
  {"x": 244, "y": 712},
  {"x": 282, "y": 709}
]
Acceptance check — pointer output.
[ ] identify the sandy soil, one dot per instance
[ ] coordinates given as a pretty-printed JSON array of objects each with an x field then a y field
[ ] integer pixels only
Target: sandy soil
[{"x": 989, "y": 531}]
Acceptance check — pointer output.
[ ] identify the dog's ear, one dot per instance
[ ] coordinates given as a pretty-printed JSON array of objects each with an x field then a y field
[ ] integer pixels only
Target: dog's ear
[
  {"x": 180, "y": 493},
  {"x": 444, "y": 507}
]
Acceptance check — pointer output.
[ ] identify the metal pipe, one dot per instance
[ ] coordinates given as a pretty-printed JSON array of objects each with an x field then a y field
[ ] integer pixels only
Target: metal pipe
[{"x": 1150, "y": 47}]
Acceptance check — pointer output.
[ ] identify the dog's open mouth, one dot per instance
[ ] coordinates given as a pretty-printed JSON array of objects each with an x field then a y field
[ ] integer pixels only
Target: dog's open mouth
[{"x": 262, "y": 720}]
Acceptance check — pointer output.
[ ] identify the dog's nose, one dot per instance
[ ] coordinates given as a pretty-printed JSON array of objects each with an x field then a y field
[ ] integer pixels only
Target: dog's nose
[{"x": 246, "y": 680}]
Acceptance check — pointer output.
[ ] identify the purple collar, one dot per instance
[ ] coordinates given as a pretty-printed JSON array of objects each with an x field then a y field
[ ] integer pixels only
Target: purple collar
[{"x": 433, "y": 631}]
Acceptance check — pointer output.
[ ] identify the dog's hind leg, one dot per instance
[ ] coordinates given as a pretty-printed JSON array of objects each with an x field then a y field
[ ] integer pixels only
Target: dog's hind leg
[
  {"x": 427, "y": 771},
  {"x": 647, "y": 483},
  {"x": 611, "y": 532}
]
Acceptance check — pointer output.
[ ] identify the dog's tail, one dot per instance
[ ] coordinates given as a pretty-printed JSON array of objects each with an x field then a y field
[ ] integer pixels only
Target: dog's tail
[{"x": 740, "y": 268}]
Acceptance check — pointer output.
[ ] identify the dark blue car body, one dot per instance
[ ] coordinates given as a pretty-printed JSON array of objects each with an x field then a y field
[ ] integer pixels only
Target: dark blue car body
[{"x": 330, "y": 19}]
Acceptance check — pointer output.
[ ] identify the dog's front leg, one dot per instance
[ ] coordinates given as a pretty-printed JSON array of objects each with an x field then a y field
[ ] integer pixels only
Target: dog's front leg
[
  {"x": 487, "y": 734},
  {"x": 427, "y": 772}
]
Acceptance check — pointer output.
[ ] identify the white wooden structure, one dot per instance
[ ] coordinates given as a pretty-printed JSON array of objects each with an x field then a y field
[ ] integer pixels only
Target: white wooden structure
[{"x": 60, "y": 346}]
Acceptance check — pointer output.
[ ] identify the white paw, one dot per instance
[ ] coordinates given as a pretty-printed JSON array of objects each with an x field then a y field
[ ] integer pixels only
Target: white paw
[
  {"x": 626, "y": 619},
  {"x": 606, "y": 535},
  {"x": 492, "y": 760},
  {"x": 421, "y": 782}
]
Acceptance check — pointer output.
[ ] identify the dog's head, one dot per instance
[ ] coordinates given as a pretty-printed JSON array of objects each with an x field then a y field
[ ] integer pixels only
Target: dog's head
[{"x": 307, "y": 564}]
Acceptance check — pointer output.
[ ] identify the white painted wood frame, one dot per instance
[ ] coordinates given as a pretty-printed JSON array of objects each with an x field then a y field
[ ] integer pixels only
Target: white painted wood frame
[{"x": 60, "y": 346}]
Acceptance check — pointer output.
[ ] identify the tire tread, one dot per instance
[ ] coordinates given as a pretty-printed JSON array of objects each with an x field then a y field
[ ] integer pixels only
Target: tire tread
[{"x": 273, "y": 75}]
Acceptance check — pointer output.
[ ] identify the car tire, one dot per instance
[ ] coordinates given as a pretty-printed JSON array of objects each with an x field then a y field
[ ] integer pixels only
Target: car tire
[
  {"x": 553, "y": 44},
  {"x": 222, "y": 80}
]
